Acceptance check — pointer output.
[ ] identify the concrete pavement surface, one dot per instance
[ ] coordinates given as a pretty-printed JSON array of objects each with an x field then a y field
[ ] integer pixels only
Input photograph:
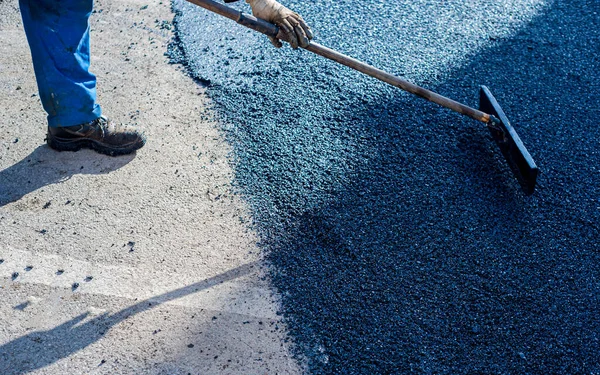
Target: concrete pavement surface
[
  {"x": 397, "y": 236},
  {"x": 143, "y": 264}
]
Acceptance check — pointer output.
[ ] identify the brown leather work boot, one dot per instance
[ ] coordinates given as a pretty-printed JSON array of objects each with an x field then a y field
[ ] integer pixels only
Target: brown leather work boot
[{"x": 101, "y": 135}]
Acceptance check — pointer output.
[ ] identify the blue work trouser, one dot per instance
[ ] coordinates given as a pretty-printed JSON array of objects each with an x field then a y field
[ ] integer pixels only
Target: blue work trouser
[{"x": 58, "y": 33}]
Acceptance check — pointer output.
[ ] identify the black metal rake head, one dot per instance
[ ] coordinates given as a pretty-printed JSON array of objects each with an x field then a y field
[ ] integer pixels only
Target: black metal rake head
[{"x": 518, "y": 158}]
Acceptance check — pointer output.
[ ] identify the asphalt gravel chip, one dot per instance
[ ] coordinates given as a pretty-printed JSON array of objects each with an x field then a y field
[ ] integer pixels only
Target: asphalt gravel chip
[{"x": 397, "y": 236}]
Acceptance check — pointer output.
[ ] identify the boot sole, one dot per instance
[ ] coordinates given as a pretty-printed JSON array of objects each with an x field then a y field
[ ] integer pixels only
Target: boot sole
[{"x": 76, "y": 145}]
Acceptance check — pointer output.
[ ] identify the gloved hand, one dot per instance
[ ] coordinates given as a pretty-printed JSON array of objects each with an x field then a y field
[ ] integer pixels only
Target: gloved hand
[{"x": 291, "y": 23}]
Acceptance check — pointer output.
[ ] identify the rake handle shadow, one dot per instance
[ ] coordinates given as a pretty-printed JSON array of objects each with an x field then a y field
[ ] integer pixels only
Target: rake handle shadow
[{"x": 271, "y": 30}]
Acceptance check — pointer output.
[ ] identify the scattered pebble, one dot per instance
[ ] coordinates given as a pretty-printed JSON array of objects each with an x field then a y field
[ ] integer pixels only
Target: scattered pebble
[
  {"x": 522, "y": 355},
  {"x": 33, "y": 300},
  {"x": 95, "y": 311},
  {"x": 22, "y": 306},
  {"x": 131, "y": 244}
]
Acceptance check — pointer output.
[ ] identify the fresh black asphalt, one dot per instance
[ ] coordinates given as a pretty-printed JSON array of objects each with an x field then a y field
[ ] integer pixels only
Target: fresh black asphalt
[{"x": 398, "y": 239}]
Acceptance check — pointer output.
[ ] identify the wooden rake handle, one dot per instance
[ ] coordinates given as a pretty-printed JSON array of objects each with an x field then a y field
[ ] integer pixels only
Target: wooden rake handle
[{"x": 269, "y": 29}]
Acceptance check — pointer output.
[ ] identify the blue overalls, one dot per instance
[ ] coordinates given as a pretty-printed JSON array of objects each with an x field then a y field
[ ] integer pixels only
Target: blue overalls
[{"x": 58, "y": 33}]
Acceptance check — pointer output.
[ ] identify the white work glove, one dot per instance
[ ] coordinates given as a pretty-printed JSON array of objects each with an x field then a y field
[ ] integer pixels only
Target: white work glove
[{"x": 293, "y": 26}]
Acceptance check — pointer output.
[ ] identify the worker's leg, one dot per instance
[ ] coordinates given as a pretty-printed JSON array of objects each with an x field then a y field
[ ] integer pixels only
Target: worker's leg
[{"x": 59, "y": 39}]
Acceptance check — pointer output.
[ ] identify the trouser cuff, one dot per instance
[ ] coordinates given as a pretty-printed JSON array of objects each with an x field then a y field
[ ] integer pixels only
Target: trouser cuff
[{"x": 74, "y": 119}]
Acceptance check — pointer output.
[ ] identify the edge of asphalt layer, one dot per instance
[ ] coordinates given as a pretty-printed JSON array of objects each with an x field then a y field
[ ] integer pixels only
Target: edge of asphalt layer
[{"x": 397, "y": 237}]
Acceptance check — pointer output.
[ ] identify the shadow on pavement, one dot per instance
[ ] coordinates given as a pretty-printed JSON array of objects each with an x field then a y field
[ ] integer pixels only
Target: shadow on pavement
[
  {"x": 45, "y": 166},
  {"x": 42, "y": 348}
]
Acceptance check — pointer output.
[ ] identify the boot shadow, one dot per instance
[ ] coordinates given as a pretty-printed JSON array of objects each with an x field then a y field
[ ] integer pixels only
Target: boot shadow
[{"x": 45, "y": 166}]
